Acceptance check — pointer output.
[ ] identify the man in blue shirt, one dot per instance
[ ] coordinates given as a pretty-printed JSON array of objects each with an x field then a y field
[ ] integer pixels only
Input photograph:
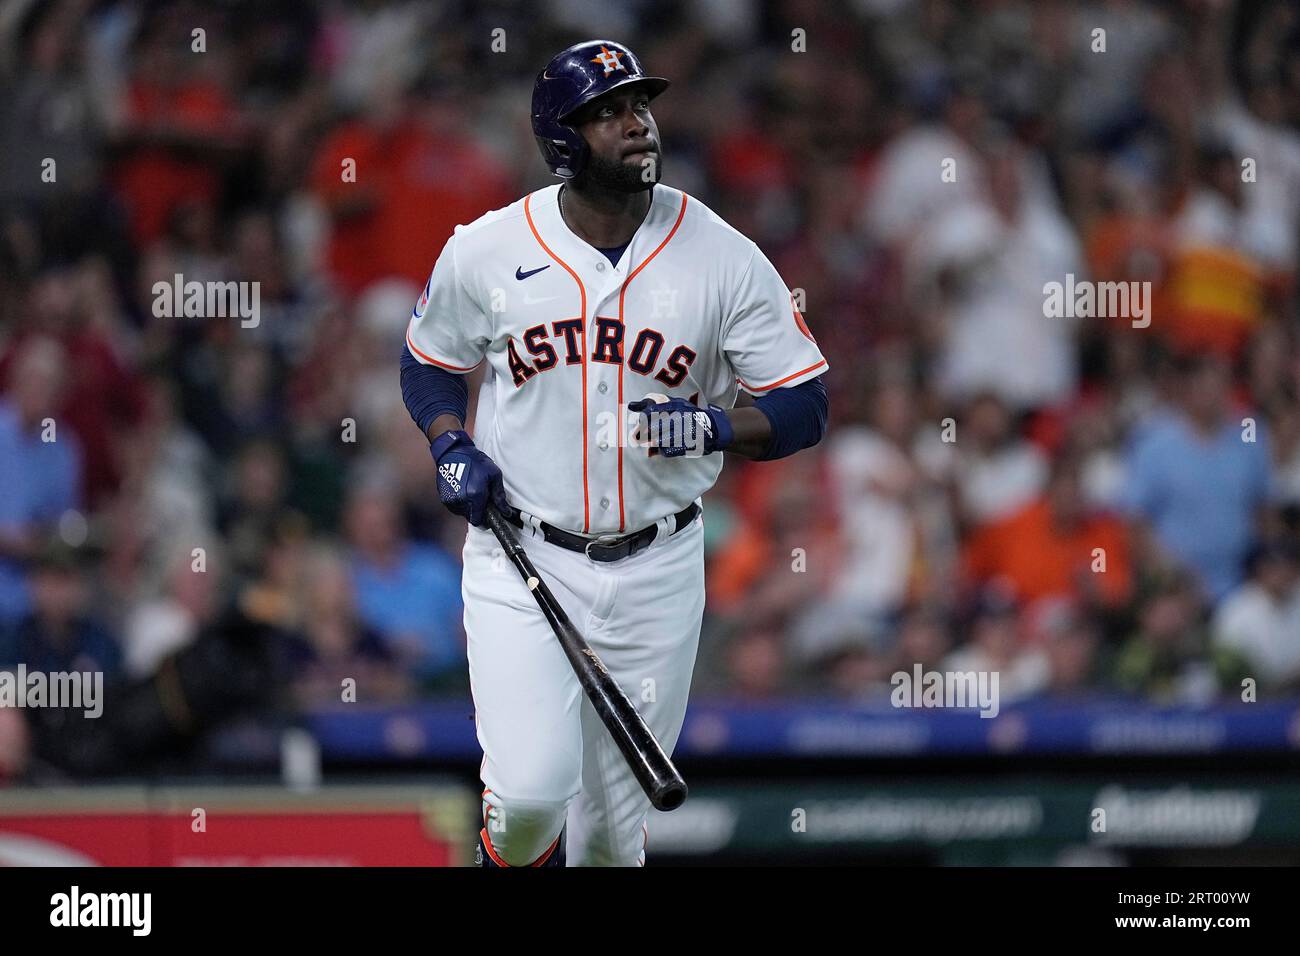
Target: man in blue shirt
[
  {"x": 1197, "y": 480},
  {"x": 40, "y": 466},
  {"x": 60, "y": 634},
  {"x": 408, "y": 592}
]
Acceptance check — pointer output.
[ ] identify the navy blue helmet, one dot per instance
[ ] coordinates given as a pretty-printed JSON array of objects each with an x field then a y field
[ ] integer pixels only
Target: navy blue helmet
[{"x": 571, "y": 80}]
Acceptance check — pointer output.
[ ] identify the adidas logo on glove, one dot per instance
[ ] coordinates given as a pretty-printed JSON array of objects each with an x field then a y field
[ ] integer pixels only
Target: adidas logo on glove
[
  {"x": 451, "y": 474},
  {"x": 703, "y": 425}
]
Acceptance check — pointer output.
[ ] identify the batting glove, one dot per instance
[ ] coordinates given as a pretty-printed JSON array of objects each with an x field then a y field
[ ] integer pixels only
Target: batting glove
[
  {"x": 678, "y": 428},
  {"x": 467, "y": 479}
]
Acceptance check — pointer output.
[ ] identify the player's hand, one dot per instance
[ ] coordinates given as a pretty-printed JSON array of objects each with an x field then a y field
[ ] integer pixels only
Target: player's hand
[
  {"x": 678, "y": 428},
  {"x": 468, "y": 480}
]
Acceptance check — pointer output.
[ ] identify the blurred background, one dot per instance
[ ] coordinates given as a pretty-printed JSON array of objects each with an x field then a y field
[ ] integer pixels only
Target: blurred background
[{"x": 235, "y": 520}]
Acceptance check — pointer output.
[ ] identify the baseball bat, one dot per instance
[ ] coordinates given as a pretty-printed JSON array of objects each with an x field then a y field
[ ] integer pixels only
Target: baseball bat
[{"x": 653, "y": 769}]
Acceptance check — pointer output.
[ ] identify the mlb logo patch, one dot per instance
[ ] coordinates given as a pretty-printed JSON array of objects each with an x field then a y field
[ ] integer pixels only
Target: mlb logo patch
[{"x": 424, "y": 299}]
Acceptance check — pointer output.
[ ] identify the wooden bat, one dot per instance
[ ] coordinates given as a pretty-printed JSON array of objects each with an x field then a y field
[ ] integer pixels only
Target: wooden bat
[{"x": 652, "y": 767}]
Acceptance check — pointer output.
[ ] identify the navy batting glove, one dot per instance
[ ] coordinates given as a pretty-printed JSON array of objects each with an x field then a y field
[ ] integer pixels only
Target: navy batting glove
[
  {"x": 678, "y": 428},
  {"x": 467, "y": 478}
]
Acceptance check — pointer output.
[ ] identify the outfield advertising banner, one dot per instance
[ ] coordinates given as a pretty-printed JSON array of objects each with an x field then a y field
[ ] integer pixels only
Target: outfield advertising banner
[
  {"x": 255, "y": 826},
  {"x": 1037, "y": 818}
]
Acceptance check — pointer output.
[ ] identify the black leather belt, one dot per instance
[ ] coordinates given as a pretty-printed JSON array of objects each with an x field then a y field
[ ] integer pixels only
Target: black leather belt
[{"x": 608, "y": 547}]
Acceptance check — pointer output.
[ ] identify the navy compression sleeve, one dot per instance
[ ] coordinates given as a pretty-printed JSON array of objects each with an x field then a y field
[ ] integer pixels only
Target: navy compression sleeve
[
  {"x": 429, "y": 391},
  {"x": 798, "y": 417}
]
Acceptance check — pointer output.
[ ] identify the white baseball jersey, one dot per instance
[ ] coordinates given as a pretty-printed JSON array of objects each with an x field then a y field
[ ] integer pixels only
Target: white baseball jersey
[{"x": 692, "y": 309}]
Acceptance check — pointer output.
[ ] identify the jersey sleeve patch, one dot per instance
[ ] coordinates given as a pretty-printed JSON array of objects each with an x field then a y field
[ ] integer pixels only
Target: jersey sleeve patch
[{"x": 447, "y": 327}]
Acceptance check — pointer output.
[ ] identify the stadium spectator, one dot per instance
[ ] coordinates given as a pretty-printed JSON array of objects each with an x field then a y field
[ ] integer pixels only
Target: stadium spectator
[
  {"x": 1056, "y": 547},
  {"x": 1092, "y": 433},
  {"x": 246, "y": 517},
  {"x": 39, "y": 467},
  {"x": 756, "y": 666},
  {"x": 1217, "y": 281},
  {"x": 167, "y": 475},
  {"x": 79, "y": 308},
  {"x": 397, "y": 181},
  {"x": 1260, "y": 620},
  {"x": 782, "y": 558},
  {"x": 161, "y": 624},
  {"x": 905, "y": 194},
  {"x": 998, "y": 645},
  {"x": 1199, "y": 478},
  {"x": 986, "y": 264},
  {"x": 1072, "y": 644},
  {"x": 238, "y": 397},
  {"x": 875, "y": 482},
  {"x": 15, "y": 745},
  {"x": 409, "y": 593},
  {"x": 924, "y": 638},
  {"x": 331, "y": 647},
  {"x": 60, "y": 633},
  {"x": 180, "y": 124},
  {"x": 1169, "y": 660},
  {"x": 991, "y": 468}
]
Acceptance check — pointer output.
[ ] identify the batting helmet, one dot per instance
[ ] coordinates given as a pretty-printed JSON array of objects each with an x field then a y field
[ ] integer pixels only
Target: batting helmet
[{"x": 572, "y": 79}]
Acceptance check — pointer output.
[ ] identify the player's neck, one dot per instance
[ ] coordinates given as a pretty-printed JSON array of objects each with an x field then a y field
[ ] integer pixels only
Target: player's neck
[{"x": 602, "y": 217}]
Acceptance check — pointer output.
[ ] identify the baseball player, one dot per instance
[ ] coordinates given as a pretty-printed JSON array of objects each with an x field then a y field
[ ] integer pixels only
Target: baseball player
[{"x": 630, "y": 337}]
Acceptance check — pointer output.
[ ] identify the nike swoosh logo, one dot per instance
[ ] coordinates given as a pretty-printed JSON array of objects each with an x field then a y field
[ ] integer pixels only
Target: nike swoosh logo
[
  {"x": 529, "y": 300},
  {"x": 520, "y": 274}
]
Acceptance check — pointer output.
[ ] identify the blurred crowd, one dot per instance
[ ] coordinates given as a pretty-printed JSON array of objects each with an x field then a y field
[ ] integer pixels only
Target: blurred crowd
[{"x": 1087, "y": 504}]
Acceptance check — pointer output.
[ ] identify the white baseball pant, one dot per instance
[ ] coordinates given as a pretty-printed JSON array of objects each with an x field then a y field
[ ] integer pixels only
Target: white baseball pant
[{"x": 547, "y": 756}]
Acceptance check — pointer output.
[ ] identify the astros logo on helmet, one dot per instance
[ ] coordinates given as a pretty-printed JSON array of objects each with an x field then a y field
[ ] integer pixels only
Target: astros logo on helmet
[{"x": 611, "y": 60}]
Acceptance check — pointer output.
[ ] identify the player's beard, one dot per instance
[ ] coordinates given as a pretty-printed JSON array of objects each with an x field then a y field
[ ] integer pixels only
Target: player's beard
[{"x": 622, "y": 177}]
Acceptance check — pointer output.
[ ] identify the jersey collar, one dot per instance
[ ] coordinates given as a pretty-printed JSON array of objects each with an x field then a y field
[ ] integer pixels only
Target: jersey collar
[{"x": 665, "y": 203}]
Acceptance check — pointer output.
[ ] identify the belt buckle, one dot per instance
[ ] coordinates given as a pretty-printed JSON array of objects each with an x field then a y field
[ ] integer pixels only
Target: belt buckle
[{"x": 603, "y": 540}]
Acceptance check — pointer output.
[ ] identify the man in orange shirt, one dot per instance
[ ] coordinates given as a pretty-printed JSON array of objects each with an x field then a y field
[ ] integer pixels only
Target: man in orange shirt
[
  {"x": 1055, "y": 546},
  {"x": 417, "y": 173}
]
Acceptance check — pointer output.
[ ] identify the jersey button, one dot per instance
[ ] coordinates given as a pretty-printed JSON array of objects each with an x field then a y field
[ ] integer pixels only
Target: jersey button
[
  {"x": 604, "y": 503},
  {"x": 600, "y": 267},
  {"x": 602, "y": 388},
  {"x": 604, "y": 446}
]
